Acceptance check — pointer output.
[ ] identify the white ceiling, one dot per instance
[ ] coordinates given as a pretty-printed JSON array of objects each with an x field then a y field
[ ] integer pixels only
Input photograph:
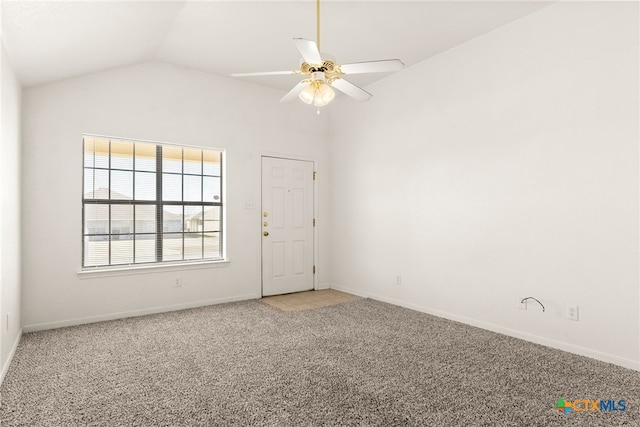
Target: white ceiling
[{"x": 53, "y": 40}]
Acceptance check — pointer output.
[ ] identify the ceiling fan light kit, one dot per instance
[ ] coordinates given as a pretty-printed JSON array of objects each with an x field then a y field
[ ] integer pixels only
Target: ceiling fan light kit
[
  {"x": 317, "y": 92},
  {"x": 322, "y": 74}
]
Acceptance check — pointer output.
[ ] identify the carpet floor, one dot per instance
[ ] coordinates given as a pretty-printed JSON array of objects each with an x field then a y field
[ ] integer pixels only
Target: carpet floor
[{"x": 362, "y": 363}]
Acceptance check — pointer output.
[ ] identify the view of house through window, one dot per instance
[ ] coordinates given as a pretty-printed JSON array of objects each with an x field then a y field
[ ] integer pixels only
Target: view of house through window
[{"x": 147, "y": 203}]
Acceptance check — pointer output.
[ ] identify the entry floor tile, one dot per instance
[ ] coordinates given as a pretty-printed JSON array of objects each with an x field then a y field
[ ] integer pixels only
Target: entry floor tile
[{"x": 308, "y": 300}]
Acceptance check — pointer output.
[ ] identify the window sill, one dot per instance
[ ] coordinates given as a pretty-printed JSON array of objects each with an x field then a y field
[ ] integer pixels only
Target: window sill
[{"x": 156, "y": 268}]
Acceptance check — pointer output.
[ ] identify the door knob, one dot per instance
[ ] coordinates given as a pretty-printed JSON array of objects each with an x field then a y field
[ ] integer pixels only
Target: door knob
[{"x": 265, "y": 234}]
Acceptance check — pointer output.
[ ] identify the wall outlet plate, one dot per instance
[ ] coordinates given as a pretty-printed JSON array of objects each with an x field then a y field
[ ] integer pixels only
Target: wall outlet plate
[{"x": 572, "y": 312}]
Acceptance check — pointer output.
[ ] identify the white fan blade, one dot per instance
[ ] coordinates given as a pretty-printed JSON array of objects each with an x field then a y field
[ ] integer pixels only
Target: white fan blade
[
  {"x": 352, "y": 90},
  {"x": 372, "y": 67},
  {"x": 309, "y": 51},
  {"x": 267, "y": 73},
  {"x": 293, "y": 93}
]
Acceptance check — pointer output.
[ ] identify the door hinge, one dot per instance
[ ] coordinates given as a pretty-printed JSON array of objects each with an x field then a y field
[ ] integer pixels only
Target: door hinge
[
  {"x": 315, "y": 175},
  {"x": 314, "y": 269},
  {"x": 314, "y": 222}
]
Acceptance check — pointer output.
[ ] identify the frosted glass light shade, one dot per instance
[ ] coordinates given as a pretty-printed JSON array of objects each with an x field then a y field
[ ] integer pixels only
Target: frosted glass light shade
[
  {"x": 308, "y": 94},
  {"x": 317, "y": 93},
  {"x": 324, "y": 95}
]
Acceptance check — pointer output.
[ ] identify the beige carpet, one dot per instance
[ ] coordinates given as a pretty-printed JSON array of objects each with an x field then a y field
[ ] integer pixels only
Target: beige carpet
[{"x": 359, "y": 363}]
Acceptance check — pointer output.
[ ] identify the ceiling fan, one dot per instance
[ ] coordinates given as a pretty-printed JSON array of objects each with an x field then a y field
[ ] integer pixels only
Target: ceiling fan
[{"x": 322, "y": 74}]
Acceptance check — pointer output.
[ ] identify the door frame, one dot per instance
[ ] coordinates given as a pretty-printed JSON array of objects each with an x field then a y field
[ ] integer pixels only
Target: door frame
[{"x": 315, "y": 209}]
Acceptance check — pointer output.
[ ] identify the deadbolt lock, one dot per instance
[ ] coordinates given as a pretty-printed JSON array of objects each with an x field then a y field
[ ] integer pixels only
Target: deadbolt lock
[{"x": 265, "y": 234}]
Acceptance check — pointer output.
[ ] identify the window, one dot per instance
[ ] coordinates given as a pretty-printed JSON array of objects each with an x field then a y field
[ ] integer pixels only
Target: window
[{"x": 150, "y": 203}]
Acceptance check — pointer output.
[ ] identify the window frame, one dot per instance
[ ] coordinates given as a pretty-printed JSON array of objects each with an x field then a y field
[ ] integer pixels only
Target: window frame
[{"x": 159, "y": 203}]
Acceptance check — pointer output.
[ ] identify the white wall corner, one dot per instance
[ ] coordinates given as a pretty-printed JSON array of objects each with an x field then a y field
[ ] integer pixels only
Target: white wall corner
[{"x": 7, "y": 363}]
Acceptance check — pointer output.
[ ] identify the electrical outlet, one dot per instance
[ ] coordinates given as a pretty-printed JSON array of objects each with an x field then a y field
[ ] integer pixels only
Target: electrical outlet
[
  {"x": 178, "y": 282},
  {"x": 572, "y": 312},
  {"x": 522, "y": 305},
  {"x": 398, "y": 279}
]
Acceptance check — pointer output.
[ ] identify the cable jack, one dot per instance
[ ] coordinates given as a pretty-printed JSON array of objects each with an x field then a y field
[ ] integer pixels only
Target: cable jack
[{"x": 524, "y": 299}]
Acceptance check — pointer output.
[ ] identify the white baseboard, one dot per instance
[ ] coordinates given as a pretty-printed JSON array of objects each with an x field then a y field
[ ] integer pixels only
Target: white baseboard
[
  {"x": 322, "y": 286},
  {"x": 7, "y": 363},
  {"x": 559, "y": 345},
  {"x": 133, "y": 313}
]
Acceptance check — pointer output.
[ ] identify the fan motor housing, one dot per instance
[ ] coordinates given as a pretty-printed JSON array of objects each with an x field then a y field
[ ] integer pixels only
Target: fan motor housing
[{"x": 327, "y": 67}]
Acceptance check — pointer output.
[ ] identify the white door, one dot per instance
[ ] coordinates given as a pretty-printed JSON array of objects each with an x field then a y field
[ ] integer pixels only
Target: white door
[{"x": 287, "y": 226}]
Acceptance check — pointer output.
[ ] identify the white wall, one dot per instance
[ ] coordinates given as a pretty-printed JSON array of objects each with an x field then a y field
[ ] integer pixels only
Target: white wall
[
  {"x": 9, "y": 213},
  {"x": 503, "y": 168},
  {"x": 152, "y": 101}
]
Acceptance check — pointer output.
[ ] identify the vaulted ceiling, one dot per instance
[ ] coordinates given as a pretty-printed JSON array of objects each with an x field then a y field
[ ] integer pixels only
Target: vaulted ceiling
[{"x": 53, "y": 40}]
